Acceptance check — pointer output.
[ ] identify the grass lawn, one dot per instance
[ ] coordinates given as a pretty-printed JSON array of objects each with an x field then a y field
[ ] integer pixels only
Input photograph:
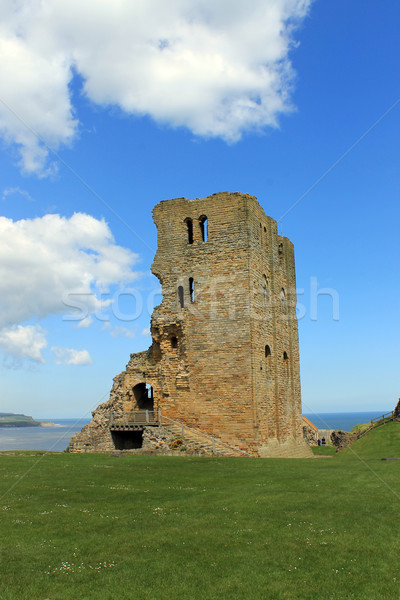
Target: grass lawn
[
  {"x": 323, "y": 450},
  {"x": 99, "y": 527}
]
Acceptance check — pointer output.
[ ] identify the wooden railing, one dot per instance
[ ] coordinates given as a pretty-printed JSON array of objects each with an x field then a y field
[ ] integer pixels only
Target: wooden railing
[
  {"x": 143, "y": 418},
  {"x": 134, "y": 417},
  {"x": 376, "y": 422}
]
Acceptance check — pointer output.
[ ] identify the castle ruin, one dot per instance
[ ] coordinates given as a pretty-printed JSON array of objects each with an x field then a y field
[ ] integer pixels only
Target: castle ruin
[{"x": 224, "y": 358}]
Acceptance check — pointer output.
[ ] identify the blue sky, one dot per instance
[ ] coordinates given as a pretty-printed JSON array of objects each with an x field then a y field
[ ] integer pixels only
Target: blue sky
[{"x": 134, "y": 123}]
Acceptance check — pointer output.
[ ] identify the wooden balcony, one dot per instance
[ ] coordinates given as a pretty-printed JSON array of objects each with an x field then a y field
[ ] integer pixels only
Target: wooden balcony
[{"x": 134, "y": 419}]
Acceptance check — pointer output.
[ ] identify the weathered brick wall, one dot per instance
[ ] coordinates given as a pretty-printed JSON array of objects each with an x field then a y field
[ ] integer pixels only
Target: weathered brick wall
[
  {"x": 207, "y": 364},
  {"x": 233, "y": 390},
  {"x": 209, "y": 373},
  {"x": 274, "y": 325}
]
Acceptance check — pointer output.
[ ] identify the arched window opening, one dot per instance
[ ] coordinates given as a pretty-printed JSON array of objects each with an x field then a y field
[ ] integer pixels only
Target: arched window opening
[
  {"x": 265, "y": 230},
  {"x": 181, "y": 297},
  {"x": 174, "y": 342},
  {"x": 191, "y": 289},
  {"x": 144, "y": 396},
  {"x": 150, "y": 392},
  {"x": 285, "y": 356},
  {"x": 267, "y": 351},
  {"x": 203, "y": 228},
  {"x": 189, "y": 225},
  {"x": 280, "y": 250}
]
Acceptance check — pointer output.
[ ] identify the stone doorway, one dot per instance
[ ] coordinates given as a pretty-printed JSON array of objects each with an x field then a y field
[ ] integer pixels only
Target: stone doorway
[
  {"x": 127, "y": 440},
  {"x": 144, "y": 396}
]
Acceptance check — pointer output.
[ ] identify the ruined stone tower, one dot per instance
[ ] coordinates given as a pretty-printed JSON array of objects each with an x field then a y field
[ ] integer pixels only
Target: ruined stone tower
[{"x": 225, "y": 353}]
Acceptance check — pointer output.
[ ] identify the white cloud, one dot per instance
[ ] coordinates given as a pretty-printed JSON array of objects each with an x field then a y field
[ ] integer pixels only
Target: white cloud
[
  {"x": 85, "y": 323},
  {"x": 119, "y": 331},
  {"x": 26, "y": 342},
  {"x": 16, "y": 191},
  {"x": 50, "y": 260},
  {"x": 35, "y": 91},
  {"x": 69, "y": 356},
  {"x": 217, "y": 68},
  {"x": 146, "y": 331}
]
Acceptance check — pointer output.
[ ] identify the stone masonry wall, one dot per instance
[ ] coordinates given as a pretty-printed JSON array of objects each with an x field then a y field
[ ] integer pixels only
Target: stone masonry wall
[
  {"x": 224, "y": 357},
  {"x": 209, "y": 386}
]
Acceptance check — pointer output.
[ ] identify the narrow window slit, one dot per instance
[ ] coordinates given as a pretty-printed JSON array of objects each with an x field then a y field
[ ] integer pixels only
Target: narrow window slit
[
  {"x": 283, "y": 301},
  {"x": 181, "y": 297},
  {"x": 189, "y": 225},
  {"x": 265, "y": 288},
  {"x": 203, "y": 228},
  {"x": 286, "y": 363},
  {"x": 191, "y": 289}
]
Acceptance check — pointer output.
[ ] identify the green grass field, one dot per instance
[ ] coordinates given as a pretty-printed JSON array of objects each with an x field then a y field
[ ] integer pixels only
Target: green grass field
[
  {"x": 323, "y": 450},
  {"x": 77, "y": 527}
]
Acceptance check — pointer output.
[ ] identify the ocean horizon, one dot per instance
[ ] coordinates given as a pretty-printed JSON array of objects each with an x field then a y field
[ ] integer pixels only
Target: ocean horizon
[
  {"x": 56, "y": 439},
  {"x": 345, "y": 420},
  {"x": 52, "y": 438}
]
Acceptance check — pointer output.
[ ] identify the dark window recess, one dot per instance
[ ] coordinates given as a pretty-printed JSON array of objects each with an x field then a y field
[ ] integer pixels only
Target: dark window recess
[
  {"x": 181, "y": 297},
  {"x": 191, "y": 289},
  {"x": 286, "y": 363},
  {"x": 267, "y": 351},
  {"x": 203, "y": 228},
  {"x": 189, "y": 225},
  {"x": 174, "y": 342},
  {"x": 280, "y": 249}
]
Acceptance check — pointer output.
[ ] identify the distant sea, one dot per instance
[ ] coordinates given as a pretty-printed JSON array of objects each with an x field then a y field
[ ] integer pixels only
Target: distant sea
[
  {"x": 345, "y": 421},
  {"x": 56, "y": 439}
]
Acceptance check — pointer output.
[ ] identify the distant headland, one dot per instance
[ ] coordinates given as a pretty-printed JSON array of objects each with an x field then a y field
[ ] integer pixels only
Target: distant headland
[{"x": 19, "y": 420}]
